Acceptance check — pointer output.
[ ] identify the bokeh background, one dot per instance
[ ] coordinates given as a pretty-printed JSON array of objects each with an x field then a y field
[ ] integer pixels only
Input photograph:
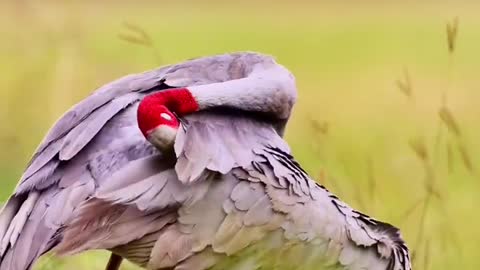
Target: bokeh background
[{"x": 389, "y": 95}]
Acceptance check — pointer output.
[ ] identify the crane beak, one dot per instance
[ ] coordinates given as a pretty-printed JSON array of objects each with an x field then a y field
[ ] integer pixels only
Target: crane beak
[{"x": 163, "y": 137}]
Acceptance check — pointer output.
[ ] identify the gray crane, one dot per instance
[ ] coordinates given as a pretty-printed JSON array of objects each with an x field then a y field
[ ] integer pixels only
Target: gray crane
[{"x": 184, "y": 167}]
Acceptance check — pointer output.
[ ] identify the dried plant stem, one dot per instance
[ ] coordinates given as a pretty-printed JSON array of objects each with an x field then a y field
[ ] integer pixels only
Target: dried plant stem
[
  {"x": 372, "y": 183},
  {"x": 426, "y": 255},
  {"x": 138, "y": 36},
  {"x": 423, "y": 217}
]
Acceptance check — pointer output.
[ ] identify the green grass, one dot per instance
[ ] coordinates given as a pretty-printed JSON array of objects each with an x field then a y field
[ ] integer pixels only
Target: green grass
[{"x": 346, "y": 57}]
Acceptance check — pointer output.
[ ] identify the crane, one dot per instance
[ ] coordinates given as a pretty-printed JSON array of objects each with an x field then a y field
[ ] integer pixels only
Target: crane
[{"x": 184, "y": 167}]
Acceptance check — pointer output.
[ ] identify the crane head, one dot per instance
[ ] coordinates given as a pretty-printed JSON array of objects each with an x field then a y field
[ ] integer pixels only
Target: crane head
[
  {"x": 156, "y": 115},
  {"x": 158, "y": 124}
]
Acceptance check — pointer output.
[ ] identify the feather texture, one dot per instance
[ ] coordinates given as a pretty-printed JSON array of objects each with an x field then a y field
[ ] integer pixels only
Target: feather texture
[
  {"x": 234, "y": 198},
  {"x": 251, "y": 217}
]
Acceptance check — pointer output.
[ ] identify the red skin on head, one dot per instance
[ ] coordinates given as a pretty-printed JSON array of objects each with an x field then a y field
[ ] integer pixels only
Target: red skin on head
[{"x": 150, "y": 109}]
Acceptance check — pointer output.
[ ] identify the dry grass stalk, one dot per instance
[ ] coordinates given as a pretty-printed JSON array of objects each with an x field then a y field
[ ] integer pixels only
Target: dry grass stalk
[
  {"x": 334, "y": 186},
  {"x": 432, "y": 190},
  {"x": 449, "y": 239},
  {"x": 426, "y": 255},
  {"x": 372, "y": 183},
  {"x": 322, "y": 177},
  {"x": 419, "y": 148},
  {"x": 320, "y": 127},
  {"x": 467, "y": 161},
  {"x": 138, "y": 36},
  {"x": 452, "y": 33},
  {"x": 422, "y": 225},
  {"x": 412, "y": 209},
  {"x": 450, "y": 159},
  {"x": 449, "y": 120},
  {"x": 358, "y": 198},
  {"x": 405, "y": 84}
]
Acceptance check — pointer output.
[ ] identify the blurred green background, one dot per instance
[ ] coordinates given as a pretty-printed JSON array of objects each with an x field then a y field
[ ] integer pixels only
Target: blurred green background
[{"x": 387, "y": 117}]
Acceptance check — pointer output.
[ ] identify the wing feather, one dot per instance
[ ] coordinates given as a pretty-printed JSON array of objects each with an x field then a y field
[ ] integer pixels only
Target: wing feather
[
  {"x": 83, "y": 133},
  {"x": 208, "y": 142}
]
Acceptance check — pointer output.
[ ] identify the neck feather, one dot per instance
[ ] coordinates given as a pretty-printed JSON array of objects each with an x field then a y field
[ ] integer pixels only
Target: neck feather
[{"x": 179, "y": 101}]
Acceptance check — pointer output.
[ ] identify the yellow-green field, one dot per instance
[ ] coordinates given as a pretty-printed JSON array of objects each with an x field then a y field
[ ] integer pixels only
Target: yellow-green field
[{"x": 387, "y": 118}]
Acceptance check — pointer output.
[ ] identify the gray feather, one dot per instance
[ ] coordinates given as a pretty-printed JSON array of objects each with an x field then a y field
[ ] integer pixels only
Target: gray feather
[
  {"x": 6, "y": 215},
  {"x": 209, "y": 142},
  {"x": 40, "y": 159},
  {"x": 83, "y": 133}
]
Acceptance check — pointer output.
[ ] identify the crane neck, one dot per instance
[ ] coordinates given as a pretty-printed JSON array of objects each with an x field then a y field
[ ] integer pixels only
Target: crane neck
[{"x": 178, "y": 100}]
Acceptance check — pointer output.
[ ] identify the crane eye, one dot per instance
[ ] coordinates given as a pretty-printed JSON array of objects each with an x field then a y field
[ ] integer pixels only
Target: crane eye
[{"x": 166, "y": 116}]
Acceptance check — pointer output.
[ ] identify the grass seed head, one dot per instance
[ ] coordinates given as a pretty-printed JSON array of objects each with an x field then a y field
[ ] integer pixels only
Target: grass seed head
[
  {"x": 136, "y": 35},
  {"x": 452, "y": 32},
  {"x": 447, "y": 117},
  {"x": 419, "y": 148},
  {"x": 405, "y": 84},
  {"x": 320, "y": 127},
  {"x": 467, "y": 161}
]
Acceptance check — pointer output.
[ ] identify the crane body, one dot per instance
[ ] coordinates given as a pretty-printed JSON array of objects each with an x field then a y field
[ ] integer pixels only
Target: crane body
[{"x": 229, "y": 195}]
